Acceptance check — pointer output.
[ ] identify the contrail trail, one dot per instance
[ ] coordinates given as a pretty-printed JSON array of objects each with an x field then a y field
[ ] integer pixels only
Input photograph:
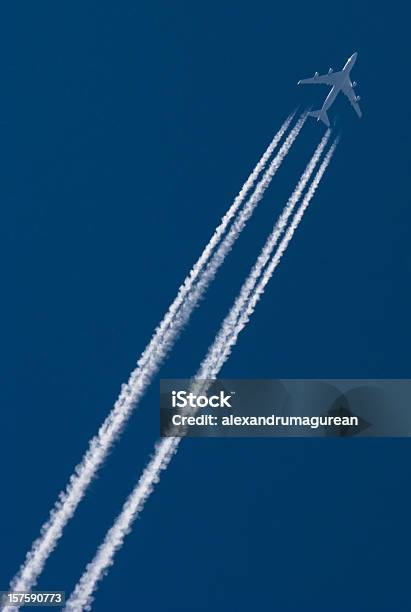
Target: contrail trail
[
  {"x": 164, "y": 449},
  {"x": 176, "y": 317},
  {"x": 248, "y": 287},
  {"x": 227, "y": 344},
  {"x": 181, "y": 317},
  {"x": 213, "y": 242}
]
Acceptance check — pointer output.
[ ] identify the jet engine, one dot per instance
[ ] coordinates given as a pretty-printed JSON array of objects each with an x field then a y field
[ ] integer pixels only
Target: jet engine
[
  {"x": 315, "y": 75},
  {"x": 355, "y": 84},
  {"x": 358, "y": 98},
  {"x": 330, "y": 70}
]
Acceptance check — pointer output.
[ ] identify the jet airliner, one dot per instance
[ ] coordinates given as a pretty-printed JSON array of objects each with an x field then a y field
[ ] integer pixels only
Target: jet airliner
[{"x": 338, "y": 81}]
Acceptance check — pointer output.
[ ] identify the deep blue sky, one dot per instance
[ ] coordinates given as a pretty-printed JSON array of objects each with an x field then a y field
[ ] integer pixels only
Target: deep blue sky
[{"x": 126, "y": 130}]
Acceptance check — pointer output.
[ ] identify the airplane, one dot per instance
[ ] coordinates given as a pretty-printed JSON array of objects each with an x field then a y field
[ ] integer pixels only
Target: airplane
[{"x": 338, "y": 81}]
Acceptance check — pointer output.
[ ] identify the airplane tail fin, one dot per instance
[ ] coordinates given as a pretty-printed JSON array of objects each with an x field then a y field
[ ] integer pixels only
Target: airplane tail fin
[{"x": 321, "y": 116}]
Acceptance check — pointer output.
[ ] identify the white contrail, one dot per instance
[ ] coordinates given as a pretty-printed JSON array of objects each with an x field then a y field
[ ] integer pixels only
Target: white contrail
[
  {"x": 164, "y": 450},
  {"x": 179, "y": 312},
  {"x": 248, "y": 287},
  {"x": 181, "y": 317},
  {"x": 194, "y": 273},
  {"x": 228, "y": 343}
]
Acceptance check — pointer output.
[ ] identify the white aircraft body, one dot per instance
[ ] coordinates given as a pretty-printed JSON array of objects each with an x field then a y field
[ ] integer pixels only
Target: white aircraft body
[{"x": 338, "y": 81}]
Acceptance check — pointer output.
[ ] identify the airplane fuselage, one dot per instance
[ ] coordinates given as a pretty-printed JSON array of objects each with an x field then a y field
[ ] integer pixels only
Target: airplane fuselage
[{"x": 335, "y": 90}]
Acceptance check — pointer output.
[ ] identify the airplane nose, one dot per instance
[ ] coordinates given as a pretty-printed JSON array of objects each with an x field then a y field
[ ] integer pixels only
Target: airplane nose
[{"x": 354, "y": 56}]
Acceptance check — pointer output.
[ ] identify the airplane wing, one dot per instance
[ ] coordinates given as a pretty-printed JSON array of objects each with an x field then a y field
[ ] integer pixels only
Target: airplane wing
[
  {"x": 350, "y": 93},
  {"x": 321, "y": 79}
]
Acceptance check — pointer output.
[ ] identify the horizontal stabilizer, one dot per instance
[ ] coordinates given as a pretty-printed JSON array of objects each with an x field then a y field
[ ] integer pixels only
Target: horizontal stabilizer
[{"x": 321, "y": 116}]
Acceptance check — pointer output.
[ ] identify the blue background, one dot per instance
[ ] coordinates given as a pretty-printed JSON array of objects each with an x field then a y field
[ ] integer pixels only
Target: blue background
[{"x": 126, "y": 129}]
